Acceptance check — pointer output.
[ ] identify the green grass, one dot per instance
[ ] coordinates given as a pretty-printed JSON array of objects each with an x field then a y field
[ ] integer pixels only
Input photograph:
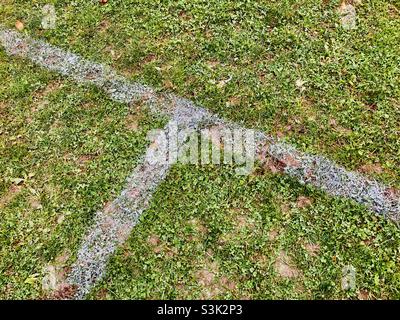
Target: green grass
[
  {"x": 65, "y": 150},
  {"x": 208, "y": 220},
  {"x": 350, "y": 105}
]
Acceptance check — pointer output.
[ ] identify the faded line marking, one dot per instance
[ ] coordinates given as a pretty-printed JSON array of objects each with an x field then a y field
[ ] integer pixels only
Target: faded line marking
[{"x": 113, "y": 225}]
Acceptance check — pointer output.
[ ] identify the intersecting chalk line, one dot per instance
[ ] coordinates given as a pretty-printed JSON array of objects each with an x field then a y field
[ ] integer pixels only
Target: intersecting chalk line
[
  {"x": 306, "y": 168},
  {"x": 113, "y": 225}
]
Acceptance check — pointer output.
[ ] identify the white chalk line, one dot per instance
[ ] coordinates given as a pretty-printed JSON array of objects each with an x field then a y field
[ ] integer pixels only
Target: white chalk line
[{"x": 113, "y": 225}]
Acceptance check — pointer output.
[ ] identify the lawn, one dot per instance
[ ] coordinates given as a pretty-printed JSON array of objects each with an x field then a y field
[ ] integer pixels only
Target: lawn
[
  {"x": 65, "y": 151},
  {"x": 285, "y": 67}
]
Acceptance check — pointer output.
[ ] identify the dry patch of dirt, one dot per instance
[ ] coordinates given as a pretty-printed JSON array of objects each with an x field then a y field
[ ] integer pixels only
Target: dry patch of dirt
[
  {"x": 285, "y": 208},
  {"x": 371, "y": 168},
  {"x": 273, "y": 166},
  {"x": 104, "y": 25},
  {"x": 35, "y": 203},
  {"x": 85, "y": 159},
  {"x": 132, "y": 122},
  {"x": 348, "y": 15},
  {"x": 153, "y": 240},
  {"x": 393, "y": 11},
  {"x": 212, "y": 283},
  {"x": 167, "y": 84},
  {"x": 303, "y": 202},
  {"x": 102, "y": 294},
  {"x": 285, "y": 267},
  {"x": 267, "y": 163},
  {"x": 65, "y": 292},
  {"x": 12, "y": 192},
  {"x": 159, "y": 247},
  {"x": 39, "y": 97},
  {"x": 115, "y": 55},
  {"x": 312, "y": 249},
  {"x": 200, "y": 231},
  {"x": 260, "y": 259},
  {"x": 244, "y": 222},
  {"x": 233, "y": 102},
  {"x": 273, "y": 234},
  {"x": 364, "y": 295},
  {"x": 149, "y": 58},
  {"x": 87, "y": 106},
  {"x": 54, "y": 279},
  {"x": 3, "y": 107},
  {"x": 212, "y": 64},
  {"x": 241, "y": 224}
]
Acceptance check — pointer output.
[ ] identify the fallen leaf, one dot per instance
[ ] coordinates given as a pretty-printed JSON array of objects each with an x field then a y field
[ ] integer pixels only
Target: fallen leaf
[
  {"x": 17, "y": 181},
  {"x": 31, "y": 279},
  {"x": 222, "y": 83},
  {"x": 300, "y": 85},
  {"x": 19, "y": 25},
  {"x": 363, "y": 295}
]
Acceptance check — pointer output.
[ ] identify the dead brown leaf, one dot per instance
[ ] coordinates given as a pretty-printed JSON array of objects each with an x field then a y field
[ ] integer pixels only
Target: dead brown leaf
[
  {"x": 363, "y": 295},
  {"x": 19, "y": 25}
]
